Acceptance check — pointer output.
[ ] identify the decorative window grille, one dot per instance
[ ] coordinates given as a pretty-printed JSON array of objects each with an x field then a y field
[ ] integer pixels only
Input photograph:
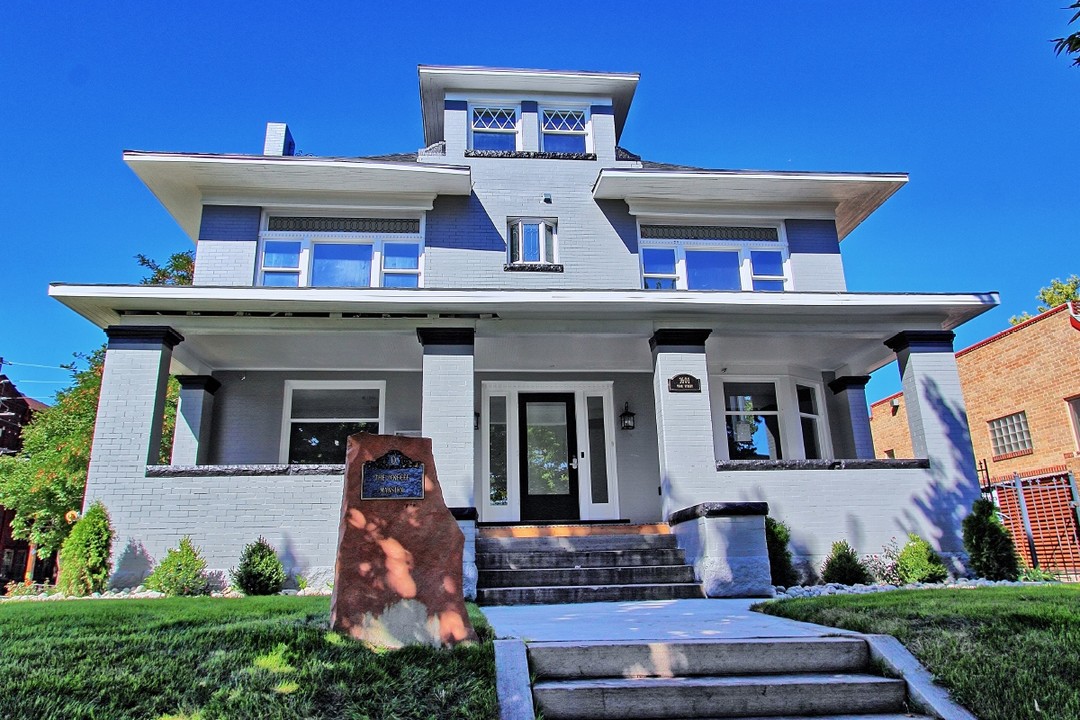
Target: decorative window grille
[
  {"x": 708, "y": 232},
  {"x": 564, "y": 131},
  {"x": 1010, "y": 434},
  {"x": 337, "y": 224},
  {"x": 494, "y": 128}
]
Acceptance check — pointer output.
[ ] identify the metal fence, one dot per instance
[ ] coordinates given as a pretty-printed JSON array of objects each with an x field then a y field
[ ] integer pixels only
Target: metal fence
[{"x": 1042, "y": 513}]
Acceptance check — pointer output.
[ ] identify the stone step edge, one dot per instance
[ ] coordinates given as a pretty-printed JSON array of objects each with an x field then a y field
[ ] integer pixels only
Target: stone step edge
[
  {"x": 590, "y": 568},
  {"x": 824, "y": 640},
  {"x": 525, "y": 532},
  {"x": 572, "y": 587},
  {"x": 784, "y": 679}
]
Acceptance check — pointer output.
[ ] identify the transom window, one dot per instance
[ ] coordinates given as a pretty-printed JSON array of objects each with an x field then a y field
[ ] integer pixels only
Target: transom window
[
  {"x": 712, "y": 258},
  {"x": 494, "y": 128},
  {"x": 531, "y": 240},
  {"x": 312, "y": 258},
  {"x": 319, "y": 416},
  {"x": 1010, "y": 434},
  {"x": 563, "y": 131}
]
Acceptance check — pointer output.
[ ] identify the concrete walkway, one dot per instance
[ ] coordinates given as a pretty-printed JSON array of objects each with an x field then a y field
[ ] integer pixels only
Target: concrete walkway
[{"x": 715, "y": 619}]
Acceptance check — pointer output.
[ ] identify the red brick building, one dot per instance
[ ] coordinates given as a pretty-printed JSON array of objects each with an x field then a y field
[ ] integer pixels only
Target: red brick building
[
  {"x": 15, "y": 412},
  {"x": 1022, "y": 391}
]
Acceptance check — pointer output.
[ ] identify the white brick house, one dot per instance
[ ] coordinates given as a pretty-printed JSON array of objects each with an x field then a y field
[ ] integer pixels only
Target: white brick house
[{"x": 514, "y": 291}]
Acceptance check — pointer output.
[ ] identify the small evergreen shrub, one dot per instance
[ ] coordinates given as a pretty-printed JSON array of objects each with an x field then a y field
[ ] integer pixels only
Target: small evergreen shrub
[
  {"x": 777, "y": 535},
  {"x": 1030, "y": 574},
  {"x": 182, "y": 572},
  {"x": 843, "y": 566},
  {"x": 918, "y": 563},
  {"x": 990, "y": 549},
  {"x": 259, "y": 572},
  {"x": 883, "y": 565},
  {"x": 86, "y": 555}
]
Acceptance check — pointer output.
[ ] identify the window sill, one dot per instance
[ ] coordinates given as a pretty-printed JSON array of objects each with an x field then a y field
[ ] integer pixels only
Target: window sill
[
  {"x": 534, "y": 267},
  {"x": 1010, "y": 456},
  {"x": 529, "y": 155},
  {"x": 242, "y": 470},
  {"x": 852, "y": 464}
]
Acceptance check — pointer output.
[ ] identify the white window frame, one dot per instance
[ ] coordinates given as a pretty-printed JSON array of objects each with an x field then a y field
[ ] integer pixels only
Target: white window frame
[
  {"x": 293, "y": 385},
  {"x": 308, "y": 239},
  {"x": 818, "y": 419},
  {"x": 743, "y": 247},
  {"x": 496, "y": 105},
  {"x": 1072, "y": 405},
  {"x": 511, "y": 512},
  {"x": 792, "y": 444},
  {"x": 587, "y": 132},
  {"x": 519, "y": 222}
]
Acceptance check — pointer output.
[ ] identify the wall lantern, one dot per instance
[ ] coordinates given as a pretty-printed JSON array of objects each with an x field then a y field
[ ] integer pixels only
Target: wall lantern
[{"x": 626, "y": 418}]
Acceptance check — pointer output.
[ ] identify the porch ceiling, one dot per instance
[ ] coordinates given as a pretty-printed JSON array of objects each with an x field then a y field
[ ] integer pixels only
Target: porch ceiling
[{"x": 253, "y": 328}]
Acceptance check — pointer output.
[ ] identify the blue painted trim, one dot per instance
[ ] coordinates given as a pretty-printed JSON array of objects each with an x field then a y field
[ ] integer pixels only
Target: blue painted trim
[
  {"x": 812, "y": 236},
  {"x": 529, "y": 106},
  {"x": 455, "y": 105},
  {"x": 602, "y": 110},
  {"x": 230, "y": 222}
]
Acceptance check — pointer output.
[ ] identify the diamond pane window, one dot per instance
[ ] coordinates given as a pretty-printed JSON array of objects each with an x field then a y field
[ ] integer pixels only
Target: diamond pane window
[
  {"x": 564, "y": 131},
  {"x": 494, "y": 128},
  {"x": 1010, "y": 434}
]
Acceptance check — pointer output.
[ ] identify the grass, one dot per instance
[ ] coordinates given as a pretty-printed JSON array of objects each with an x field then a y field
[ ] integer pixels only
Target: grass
[
  {"x": 207, "y": 658},
  {"x": 1005, "y": 653}
]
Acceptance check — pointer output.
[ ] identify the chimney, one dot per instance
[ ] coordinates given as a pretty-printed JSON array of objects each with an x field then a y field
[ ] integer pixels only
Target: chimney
[{"x": 279, "y": 140}]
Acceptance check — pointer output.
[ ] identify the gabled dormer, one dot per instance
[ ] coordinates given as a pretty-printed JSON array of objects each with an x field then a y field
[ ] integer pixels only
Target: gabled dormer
[{"x": 484, "y": 112}]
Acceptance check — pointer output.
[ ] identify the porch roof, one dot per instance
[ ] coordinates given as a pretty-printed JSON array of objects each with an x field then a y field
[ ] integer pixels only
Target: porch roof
[
  {"x": 852, "y": 197},
  {"x": 183, "y": 182}
]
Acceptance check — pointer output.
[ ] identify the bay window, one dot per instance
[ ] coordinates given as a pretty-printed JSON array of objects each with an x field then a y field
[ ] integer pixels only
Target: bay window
[{"x": 531, "y": 241}]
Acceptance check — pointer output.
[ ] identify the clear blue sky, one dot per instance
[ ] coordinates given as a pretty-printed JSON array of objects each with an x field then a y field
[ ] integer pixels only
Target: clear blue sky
[{"x": 967, "y": 98}]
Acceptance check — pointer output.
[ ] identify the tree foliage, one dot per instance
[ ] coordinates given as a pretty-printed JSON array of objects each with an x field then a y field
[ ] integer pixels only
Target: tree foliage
[
  {"x": 989, "y": 546},
  {"x": 179, "y": 269},
  {"x": 1058, "y": 292},
  {"x": 46, "y": 480},
  {"x": 1070, "y": 44}
]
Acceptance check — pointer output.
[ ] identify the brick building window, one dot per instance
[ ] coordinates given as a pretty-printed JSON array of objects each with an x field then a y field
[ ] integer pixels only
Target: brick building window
[
  {"x": 1009, "y": 436},
  {"x": 1074, "y": 415}
]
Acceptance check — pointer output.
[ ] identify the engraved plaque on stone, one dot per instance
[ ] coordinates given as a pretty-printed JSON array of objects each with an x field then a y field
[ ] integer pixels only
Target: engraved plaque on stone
[
  {"x": 393, "y": 476},
  {"x": 684, "y": 383}
]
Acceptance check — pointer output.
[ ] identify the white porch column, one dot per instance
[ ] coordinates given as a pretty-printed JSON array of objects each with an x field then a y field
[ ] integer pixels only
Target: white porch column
[
  {"x": 193, "y": 413},
  {"x": 854, "y": 421},
  {"x": 684, "y": 427},
  {"x": 127, "y": 433},
  {"x": 448, "y": 406},
  {"x": 937, "y": 417}
]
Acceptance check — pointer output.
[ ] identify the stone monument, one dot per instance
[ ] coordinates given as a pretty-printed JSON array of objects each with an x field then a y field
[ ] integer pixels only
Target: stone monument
[{"x": 398, "y": 576}]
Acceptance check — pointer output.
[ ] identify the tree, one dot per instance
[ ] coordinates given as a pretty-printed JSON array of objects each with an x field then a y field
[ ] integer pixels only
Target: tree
[
  {"x": 179, "y": 269},
  {"x": 1056, "y": 293},
  {"x": 1070, "y": 44},
  {"x": 45, "y": 482}
]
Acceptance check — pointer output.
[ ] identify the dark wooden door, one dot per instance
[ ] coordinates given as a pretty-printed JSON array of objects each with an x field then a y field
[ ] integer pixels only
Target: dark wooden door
[{"x": 549, "y": 457}]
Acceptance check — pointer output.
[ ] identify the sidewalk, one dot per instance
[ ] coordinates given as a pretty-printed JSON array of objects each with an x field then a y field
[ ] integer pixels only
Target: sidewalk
[{"x": 715, "y": 619}]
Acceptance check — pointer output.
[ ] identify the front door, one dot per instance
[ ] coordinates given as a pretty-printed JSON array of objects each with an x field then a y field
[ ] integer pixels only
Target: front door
[{"x": 549, "y": 462}]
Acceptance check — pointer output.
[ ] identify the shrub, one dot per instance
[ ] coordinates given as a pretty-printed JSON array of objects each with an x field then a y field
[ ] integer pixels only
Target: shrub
[
  {"x": 843, "y": 566},
  {"x": 883, "y": 565},
  {"x": 918, "y": 562},
  {"x": 1030, "y": 574},
  {"x": 259, "y": 571},
  {"x": 777, "y": 535},
  {"x": 85, "y": 556},
  {"x": 182, "y": 572},
  {"x": 26, "y": 588},
  {"x": 990, "y": 548}
]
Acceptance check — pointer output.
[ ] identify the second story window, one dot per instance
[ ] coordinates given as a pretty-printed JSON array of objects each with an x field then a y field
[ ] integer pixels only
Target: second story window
[
  {"x": 712, "y": 258},
  {"x": 340, "y": 252},
  {"x": 494, "y": 128},
  {"x": 531, "y": 241},
  {"x": 563, "y": 131}
]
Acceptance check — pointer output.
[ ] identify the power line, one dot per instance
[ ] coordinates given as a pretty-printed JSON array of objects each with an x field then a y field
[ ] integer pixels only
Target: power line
[{"x": 33, "y": 365}]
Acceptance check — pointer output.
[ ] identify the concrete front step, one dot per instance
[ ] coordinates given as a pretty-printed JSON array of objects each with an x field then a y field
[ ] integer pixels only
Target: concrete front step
[
  {"x": 860, "y": 716},
  {"x": 584, "y": 559},
  {"x": 569, "y": 660},
  {"x": 651, "y": 575},
  {"x": 714, "y": 697},
  {"x": 583, "y": 543},
  {"x": 549, "y": 595}
]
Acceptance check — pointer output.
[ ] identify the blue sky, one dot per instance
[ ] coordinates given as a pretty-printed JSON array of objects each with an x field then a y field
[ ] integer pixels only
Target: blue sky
[{"x": 968, "y": 99}]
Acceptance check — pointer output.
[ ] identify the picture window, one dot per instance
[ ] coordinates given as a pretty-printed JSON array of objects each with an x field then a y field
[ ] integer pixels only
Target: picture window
[{"x": 320, "y": 416}]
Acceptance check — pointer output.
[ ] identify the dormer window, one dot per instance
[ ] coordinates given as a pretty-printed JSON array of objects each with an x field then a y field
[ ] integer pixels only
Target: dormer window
[
  {"x": 531, "y": 241},
  {"x": 494, "y": 128},
  {"x": 564, "y": 131}
]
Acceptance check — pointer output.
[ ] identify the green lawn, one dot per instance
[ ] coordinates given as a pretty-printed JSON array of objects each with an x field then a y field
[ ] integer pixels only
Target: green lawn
[
  {"x": 1006, "y": 653},
  {"x": 203, "y": 658}
]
